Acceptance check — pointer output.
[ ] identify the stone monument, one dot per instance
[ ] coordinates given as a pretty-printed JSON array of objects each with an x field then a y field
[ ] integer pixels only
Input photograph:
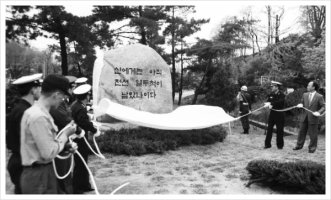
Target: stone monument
[{"x": 135, "y": 76}]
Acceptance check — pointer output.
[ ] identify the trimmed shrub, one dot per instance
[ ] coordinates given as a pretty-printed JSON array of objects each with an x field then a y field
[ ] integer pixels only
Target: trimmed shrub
[
  {"x": 305, "y": 177},
  {"x": 146, "y": 140}
]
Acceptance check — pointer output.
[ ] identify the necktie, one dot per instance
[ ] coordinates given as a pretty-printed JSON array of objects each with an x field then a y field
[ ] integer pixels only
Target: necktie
[{"x": 310, "y": 98}]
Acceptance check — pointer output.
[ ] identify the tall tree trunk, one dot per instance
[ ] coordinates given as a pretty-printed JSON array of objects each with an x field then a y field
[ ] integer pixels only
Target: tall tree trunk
[
  {"x": 269, "y": 24},
  {"x": 197, "y": 90},
  {"x": 180, "y": 93},
  {"x": 253, "y": 44},
  {"x": 173, "y": 54},
  {"x": 277, "y": 30},
  {"x": 79, "y": 69},
  {"x": 257, "y": 43},
  {"x": 64, "y": 61},
  {"x": 143, "y": 39}
]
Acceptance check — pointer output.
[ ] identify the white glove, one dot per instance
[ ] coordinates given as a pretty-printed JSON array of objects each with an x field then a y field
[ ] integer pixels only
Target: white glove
[
  {"x": 300, "y": 105},
  {"x": 88, "y": 108},
  {"x": 81, "y": 135},
  {"x": 270, "y": 106},
  {"x": 317, "y": 114},
  {"x": 98, "y": 133},
  {"x": 73, "y": 147},
  {"x": 267, "y": 104}
]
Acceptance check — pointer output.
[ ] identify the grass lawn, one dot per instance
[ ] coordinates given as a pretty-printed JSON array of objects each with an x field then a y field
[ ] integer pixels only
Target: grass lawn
[{"x": 213, "y": 169}]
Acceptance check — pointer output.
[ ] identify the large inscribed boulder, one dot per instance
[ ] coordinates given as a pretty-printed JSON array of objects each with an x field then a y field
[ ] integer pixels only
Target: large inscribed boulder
[{"x": 135, "y": 76}]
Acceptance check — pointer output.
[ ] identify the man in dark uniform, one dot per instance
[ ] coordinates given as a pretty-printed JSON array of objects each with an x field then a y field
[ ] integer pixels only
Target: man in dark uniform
[
  {"x": 62, "y": 117},
  {"x": 244, "y": 107},
  {"x": 276, "y": 100},
  {"x": 81, "y": 182},
  {"x": 29, "y": 88}
]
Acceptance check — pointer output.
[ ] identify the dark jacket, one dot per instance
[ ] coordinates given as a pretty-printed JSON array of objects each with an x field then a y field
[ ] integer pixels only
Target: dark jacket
[
  {"x": 317, "y": 104},
  {"x": 79, "y": 114},
  {"x": 277, "y": 100},
  {"x": 245, "y": 104},
  {"x": 14, "y": 125},
  {"x": 61, "y": 115}
]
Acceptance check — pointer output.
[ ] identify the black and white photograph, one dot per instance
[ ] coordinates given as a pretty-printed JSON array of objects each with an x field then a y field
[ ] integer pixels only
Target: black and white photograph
[{"x": 165, "y": 99}]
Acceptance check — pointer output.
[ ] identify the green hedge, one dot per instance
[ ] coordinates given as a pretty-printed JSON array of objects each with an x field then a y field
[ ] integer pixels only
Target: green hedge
[
  {"x": 146, "y": 140},
  {"x": 305, "y": 177}
]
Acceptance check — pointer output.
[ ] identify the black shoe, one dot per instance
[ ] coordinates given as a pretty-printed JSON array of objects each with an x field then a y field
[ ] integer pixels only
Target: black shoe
[
  {"x": 280, "y": 148},
  {"x": 311, "y": 151},
  {"x": 297, "y": 148},
  {"x": 267, "y": 147}
]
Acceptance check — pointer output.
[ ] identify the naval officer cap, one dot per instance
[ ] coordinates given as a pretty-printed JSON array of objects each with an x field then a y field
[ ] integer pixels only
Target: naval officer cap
[
  {"x": 82, "y": 89},
  {"x": 33, "y": 80},
  {"x": 276, "y": 83},
  {"x": 81, "y": 80}
]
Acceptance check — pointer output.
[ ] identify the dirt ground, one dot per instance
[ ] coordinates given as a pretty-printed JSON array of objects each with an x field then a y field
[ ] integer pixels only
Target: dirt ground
[{"x": 213, "y": 169}]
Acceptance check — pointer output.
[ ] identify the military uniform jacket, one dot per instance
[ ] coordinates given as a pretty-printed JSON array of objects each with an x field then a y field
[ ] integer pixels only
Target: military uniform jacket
[
  {"x": 79, "y": 114},
  {"x": 277, "y": 100},
  {"x": 245, "y": 103},
  {"x": 316, "y": 104},
  {"x": 61, "y": 115},
  {"x": 13, "y": 125}
]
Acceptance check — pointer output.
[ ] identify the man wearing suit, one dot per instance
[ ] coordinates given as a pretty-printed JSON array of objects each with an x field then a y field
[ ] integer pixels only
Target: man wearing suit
[{"x": 309, "y": 121}]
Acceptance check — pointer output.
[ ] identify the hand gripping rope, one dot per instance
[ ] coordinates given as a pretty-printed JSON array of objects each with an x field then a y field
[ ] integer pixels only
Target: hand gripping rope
[
  {"x": 70, "y": 155},
  {"x": 267, "y": 105}
]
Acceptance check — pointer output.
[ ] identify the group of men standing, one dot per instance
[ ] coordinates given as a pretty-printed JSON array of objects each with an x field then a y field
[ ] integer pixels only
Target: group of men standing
[
  {"x": 33, "y": 126},
  {"x": 309, "y": 121}
]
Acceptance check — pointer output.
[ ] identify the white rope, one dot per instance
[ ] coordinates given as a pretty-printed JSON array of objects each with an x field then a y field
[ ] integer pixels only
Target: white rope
[
  {"x": 99, "y": 154},
  {"x": 120, "y": 187},
  {"x": 312, "y": 111},
  {"x": 69, "y": 171},
  {"x": 89, "y": 171},
  {"x": 63, "y": 157},
  {"x": 285, "y": 109},
  {"x": 248, "y": 113}
]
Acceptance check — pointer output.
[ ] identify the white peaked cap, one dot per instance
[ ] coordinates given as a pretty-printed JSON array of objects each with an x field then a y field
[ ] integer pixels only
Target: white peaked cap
[
  {"x": 244, "y": 88},
  {"x": 28, "y": 79},
  {"x": 81, "y": 80},
  {"x": 82, "y": 89},
  {"x": 275, "y": 83}
]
